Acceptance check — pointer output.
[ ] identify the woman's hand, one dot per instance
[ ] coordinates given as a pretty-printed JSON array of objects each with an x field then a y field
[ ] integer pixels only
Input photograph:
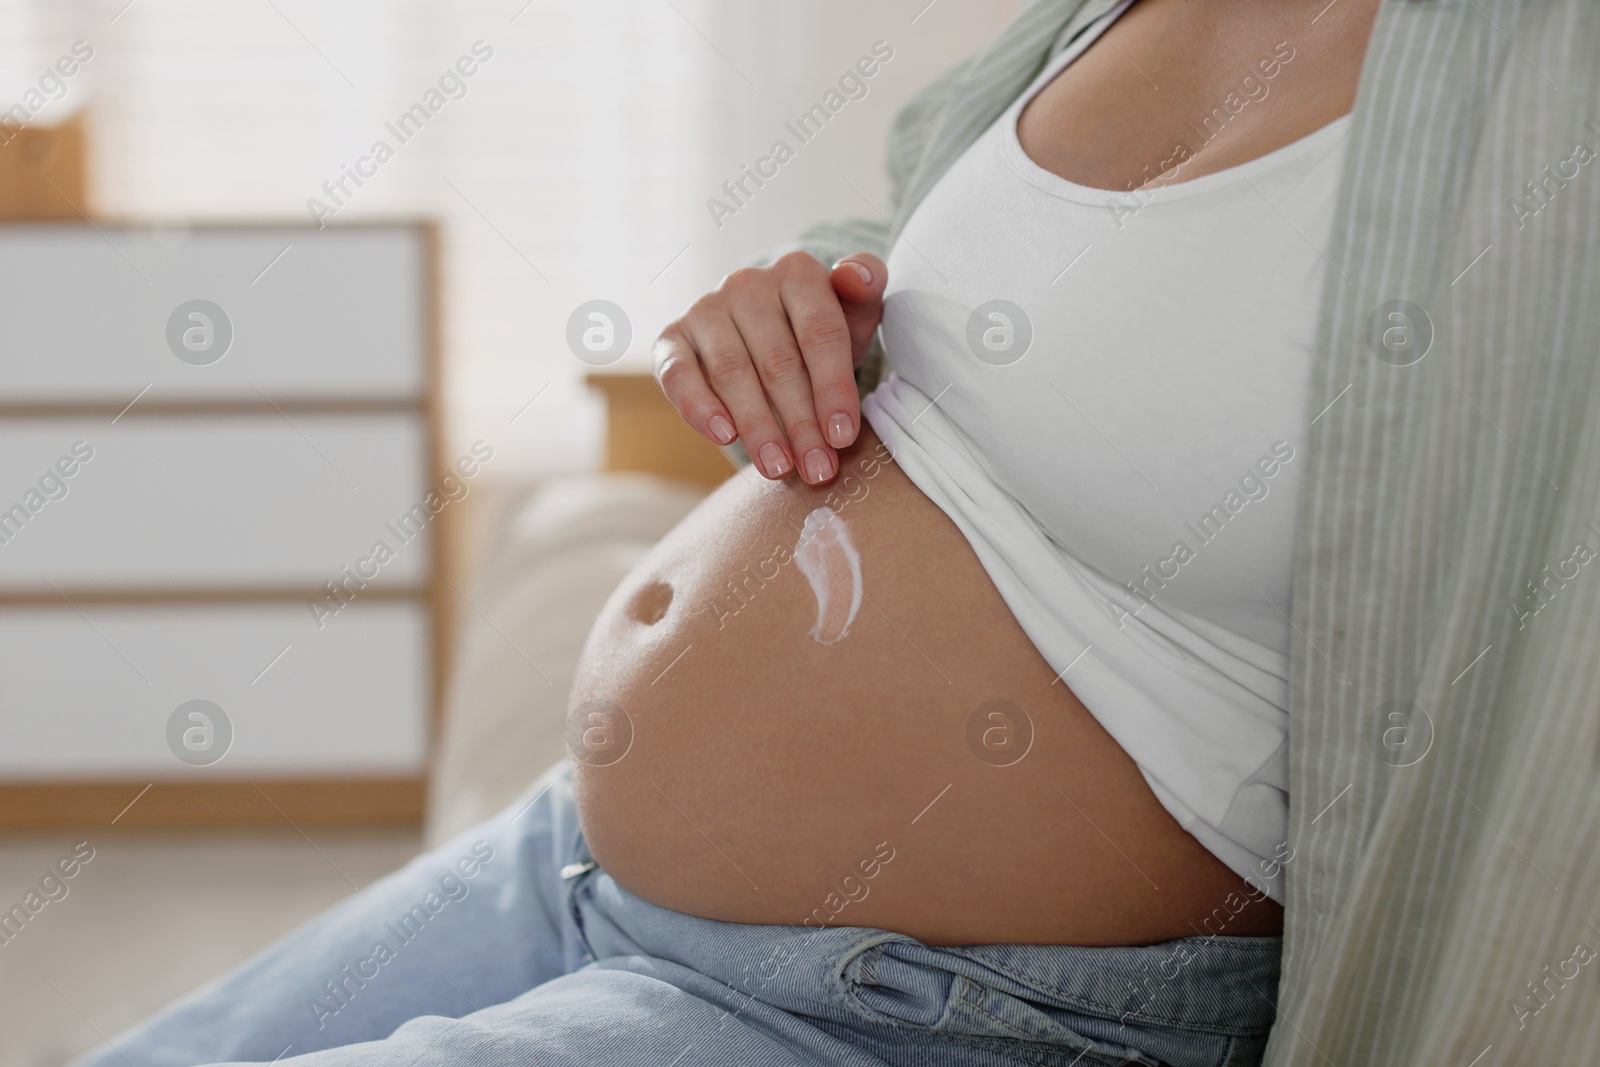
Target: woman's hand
[{"x": 777, "y": 344}]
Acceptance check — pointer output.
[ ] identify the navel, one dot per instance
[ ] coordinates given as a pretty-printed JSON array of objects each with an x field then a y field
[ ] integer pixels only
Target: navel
[{"x": 649, "y": 605}]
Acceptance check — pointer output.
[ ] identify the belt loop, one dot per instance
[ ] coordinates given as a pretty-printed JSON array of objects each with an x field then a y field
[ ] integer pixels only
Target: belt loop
[
  {"x": 856, "y": 951},
  {"x": 572, "y": 881}
]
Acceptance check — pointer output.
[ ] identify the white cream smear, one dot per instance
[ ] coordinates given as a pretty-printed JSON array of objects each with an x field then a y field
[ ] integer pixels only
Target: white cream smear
[{"x": 829, "y": 560}]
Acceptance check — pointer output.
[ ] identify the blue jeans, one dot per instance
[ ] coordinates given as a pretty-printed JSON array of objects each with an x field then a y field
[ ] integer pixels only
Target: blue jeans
[{"x": 508, "y": 946}]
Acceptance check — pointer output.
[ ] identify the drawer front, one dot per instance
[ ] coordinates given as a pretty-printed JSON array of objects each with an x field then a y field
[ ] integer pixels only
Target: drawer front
[
  {"x": 248, "y": 502},
  {"x": 95, "y": 317},
  {"x": 95, "y": 695}
]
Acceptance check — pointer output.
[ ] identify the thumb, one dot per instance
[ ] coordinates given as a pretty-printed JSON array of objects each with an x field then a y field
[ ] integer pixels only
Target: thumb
[{"x": 859, "y": 280}]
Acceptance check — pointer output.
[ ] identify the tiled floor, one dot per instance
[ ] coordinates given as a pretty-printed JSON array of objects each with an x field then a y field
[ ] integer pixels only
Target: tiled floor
[{"x": 151, "y": 916}]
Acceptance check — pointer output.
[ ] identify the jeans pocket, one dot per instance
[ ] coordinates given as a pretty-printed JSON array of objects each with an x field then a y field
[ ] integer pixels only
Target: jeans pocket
[
  {"x": 978, "y": 1008},
  {"x": 899, "y": 983}
]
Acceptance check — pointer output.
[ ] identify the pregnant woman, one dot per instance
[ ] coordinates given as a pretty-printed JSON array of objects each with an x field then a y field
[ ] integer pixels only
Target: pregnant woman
[{"x": 952, "y": 731}]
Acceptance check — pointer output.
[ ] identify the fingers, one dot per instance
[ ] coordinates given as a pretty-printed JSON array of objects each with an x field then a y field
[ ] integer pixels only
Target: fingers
[
  {"x": 859, "y": 280},
  {"x": 731, "y": 374},
  {"x": 784, "y": 372},
  {"x": 818, "y": 325},
  {"x": 677, "y": 369},
  {"x": 768, "y": 358}
]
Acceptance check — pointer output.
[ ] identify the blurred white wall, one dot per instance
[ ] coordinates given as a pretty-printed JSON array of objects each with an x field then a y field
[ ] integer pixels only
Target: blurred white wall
[{"x": 576, "y": 165}]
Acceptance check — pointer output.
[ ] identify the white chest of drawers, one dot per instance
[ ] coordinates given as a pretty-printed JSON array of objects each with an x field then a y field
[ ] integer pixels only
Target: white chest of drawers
[{"x": 206, "y": 434}]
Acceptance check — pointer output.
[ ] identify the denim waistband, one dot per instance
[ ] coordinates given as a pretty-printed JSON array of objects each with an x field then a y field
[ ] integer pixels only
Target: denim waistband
[
  {"x": 1160, "y": 1002},
  {"x": 1207, "y": 1000}
]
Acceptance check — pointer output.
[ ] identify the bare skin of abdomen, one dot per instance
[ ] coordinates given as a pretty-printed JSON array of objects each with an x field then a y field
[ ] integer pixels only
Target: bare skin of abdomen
[{"x": 730, "y": 765}]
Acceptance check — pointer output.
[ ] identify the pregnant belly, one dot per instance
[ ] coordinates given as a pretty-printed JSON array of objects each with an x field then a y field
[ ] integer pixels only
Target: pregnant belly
[{"x": 754, "y": 742}]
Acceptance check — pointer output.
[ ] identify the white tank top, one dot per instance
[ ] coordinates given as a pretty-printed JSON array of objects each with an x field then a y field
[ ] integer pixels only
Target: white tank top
[{"x": 1105, "y": 391}]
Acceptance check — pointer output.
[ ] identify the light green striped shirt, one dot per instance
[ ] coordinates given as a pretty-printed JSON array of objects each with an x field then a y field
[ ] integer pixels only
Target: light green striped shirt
[{"x": 1444, "y": 891}]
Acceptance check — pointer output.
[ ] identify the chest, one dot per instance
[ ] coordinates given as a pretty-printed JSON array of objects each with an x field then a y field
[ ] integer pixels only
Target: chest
[
  {"x": 1125, "y": 363},
  {"x": 1173, "y": 90}
]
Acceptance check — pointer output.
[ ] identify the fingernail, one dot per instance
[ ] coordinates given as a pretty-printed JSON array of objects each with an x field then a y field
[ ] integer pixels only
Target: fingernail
[
  {"x": 773, "y": 461},
  {"x": 841, "y": 430},
  {"x": 819, "y": 468},
  {"x": 721, "y": 429},
  {"x": 860, "y": 269}
]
